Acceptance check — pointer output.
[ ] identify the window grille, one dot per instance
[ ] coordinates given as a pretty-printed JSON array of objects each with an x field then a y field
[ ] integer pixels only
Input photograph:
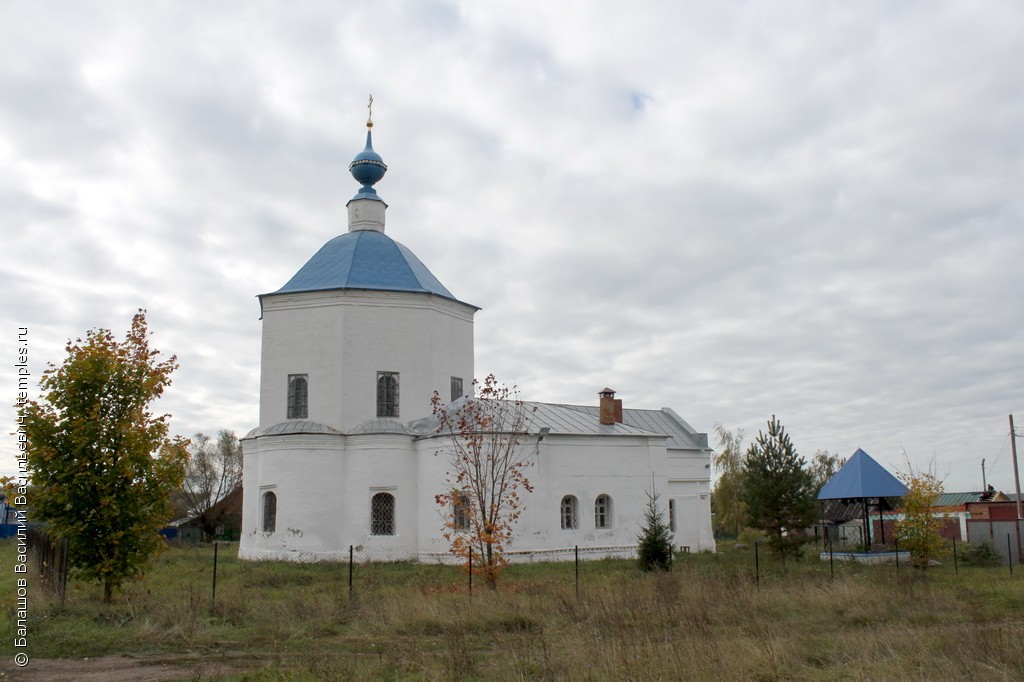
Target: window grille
[
  {"x": 672, "y": 515},
  {"x": 603, "y": 512},
  {"x": 460, "y": 513},
  {"x": 456, "y": 388},
  {"x": 387, "y": 394},
  {"x": 569, "y": 512},
  {"x": 382, "y": 514},
  {"x": 269, "y": 512},
  {"x": 298, "y": 396}
]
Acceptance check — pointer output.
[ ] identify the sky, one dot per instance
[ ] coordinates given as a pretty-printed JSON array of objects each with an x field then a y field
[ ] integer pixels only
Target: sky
[{"x": 813, "y": 210}]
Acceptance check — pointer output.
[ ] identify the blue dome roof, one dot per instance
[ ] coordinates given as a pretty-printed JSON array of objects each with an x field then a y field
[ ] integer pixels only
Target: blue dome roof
[
  {"x": 365, "y": 260},
  {"x": 367, "y": 168}
]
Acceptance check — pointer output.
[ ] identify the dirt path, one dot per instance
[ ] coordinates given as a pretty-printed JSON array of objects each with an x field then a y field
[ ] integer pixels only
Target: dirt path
[{"x": 128, "y": 668}]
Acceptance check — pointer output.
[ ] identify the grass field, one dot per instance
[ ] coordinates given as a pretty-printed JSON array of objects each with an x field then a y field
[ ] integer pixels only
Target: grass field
[{"x": 708, "y": 619}]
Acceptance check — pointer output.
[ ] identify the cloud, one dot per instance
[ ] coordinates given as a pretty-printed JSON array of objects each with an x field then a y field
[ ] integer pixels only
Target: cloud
[{"x": 734, "y": 210}]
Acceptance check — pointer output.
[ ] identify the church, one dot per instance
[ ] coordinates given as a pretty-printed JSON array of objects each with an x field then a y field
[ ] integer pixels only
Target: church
[{"x": 346, "y": 454}]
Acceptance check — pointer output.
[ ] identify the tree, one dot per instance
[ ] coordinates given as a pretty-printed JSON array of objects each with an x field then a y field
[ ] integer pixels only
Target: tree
[
  {"x": 654, "y": 544},
  {"x": 730, "y": 507},
  {"x": 214, "y": 470},
  {"x": 823, "y": 466},
  {"x": 918, "y": 530},
  {"x": 102, "y": 463},
  {"x": 778, "y": 489},
  {"x": 488, "y": 459}
]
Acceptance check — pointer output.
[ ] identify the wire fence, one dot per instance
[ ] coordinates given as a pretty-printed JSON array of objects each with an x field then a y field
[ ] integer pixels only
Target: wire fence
[
  {"x": 360, "y": 566},
  {"x": 50, "y": 557}
]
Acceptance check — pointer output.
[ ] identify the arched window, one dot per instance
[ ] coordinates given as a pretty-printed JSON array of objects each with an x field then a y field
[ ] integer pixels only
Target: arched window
[
  {"x": 298, "y": 396},
  {"x": 382, "y": 514},
  {"x": 269, "y": 512},
  {"x": 460, "y": 512},
  {"x": 603, "y": 512},
  {"x": 387, "y": 394},
  {"x": 569, "y": 509}
]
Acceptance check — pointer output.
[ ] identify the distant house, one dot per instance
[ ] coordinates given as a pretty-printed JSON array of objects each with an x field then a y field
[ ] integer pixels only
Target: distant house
[
  {"x": 8, "y": 518},
  {"x": 975, "y": 516},
  {"x": 187, "y": 530},
  {"x": 994, "y": 522}
]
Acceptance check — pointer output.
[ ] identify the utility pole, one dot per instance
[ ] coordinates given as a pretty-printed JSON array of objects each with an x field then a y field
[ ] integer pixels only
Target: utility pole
[
  {"x": 1016, "y": 482},
  {"x": 984, "y": 486}
]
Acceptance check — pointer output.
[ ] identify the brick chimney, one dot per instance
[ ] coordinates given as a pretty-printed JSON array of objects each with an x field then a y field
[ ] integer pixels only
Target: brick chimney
[{"x": 611, "y": 407}]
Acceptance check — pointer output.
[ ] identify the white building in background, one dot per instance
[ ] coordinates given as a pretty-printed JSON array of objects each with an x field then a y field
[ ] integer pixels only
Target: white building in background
[{"x": 345, "y": 454}]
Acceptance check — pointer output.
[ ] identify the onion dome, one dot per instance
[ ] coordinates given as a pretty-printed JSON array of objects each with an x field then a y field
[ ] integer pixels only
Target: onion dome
[{"x": 367, "y": 168}]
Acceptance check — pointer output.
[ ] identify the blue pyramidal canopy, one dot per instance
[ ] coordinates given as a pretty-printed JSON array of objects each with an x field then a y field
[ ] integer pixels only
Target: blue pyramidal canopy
[{"x": 862, "y": 476}]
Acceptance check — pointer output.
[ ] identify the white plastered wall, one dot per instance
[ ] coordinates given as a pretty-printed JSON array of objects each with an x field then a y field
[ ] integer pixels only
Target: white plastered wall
[
  {"x": 579, "y": 465},
  {"x": 689, "y": 486},
  {"x": 341, "y": 339},
  {"x": 305, "y": 472}
]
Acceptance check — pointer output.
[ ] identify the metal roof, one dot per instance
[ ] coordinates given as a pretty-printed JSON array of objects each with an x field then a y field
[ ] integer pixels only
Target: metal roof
[
  {"x": 862, "y": 476},
  {"x": 365, "y": 259},
  {"x": 290, "y": 426},
  {"x": 957, "y": 499},
  {"x": 585, "y": 420},
  {"x": 377, "y": 426}
]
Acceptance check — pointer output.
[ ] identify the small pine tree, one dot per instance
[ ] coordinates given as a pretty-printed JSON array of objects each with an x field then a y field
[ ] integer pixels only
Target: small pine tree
[
  {"x": 779, "y": 490},
  {"x": 654, "y": 549}
]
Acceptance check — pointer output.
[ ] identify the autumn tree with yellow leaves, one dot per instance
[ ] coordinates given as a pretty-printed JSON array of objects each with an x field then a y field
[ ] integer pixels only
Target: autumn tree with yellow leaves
[
  {"x": 918, "y": 530},
  {"x": 102, "y": 464}
]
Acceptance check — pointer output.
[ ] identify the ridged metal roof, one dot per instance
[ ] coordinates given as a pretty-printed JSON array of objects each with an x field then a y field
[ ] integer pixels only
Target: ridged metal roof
[
  {"x": 375, "y": 426},
  {"x": 585, "y": 420},
  {"x": 290, "y": 426},
  {"x": 365, "y": 259},
  {"x": 957, "y": 499}
]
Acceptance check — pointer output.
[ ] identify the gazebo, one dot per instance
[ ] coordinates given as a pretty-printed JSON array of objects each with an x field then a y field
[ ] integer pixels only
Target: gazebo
[{"x": 862, "y": 482}]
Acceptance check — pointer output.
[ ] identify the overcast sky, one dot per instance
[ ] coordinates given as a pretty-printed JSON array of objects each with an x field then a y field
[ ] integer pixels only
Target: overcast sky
[{"x": 735, "y": 209}]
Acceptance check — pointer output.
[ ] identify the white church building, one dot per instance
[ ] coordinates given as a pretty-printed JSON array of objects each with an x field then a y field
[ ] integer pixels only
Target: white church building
[{"x": 346, "y": 453}]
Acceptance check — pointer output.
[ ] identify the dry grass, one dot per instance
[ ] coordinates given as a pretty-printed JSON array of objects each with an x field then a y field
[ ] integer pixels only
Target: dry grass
[{"x": 707, "y": 620}]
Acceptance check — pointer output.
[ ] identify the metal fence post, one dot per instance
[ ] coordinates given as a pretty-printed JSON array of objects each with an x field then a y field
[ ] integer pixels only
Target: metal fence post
[
  {"x": 350, "y": 572},
  {"x": 470, "y": 572},
  {"x": 757, "y": 565},
  {"x": 577, "y": 554},
  {"x": 213, "y": 595}
]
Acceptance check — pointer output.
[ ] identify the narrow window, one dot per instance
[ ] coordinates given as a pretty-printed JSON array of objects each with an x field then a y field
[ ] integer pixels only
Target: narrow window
[
  {"x": 603, "y": 512},
  {"x": 569, "y": 507},
  {"x": 269, "y": 512},
  {"x": 382, "y": 514},
  {"x": 460, "y": 512},
  {"x": 672, "y": 515},
  {"x": 456, "y": 388},
  {"x": 387, "y": 394},
  {"x": 298, "y": 396}
]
